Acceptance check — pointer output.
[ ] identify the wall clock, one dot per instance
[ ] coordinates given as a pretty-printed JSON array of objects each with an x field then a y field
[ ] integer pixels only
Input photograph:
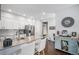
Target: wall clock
[{"x": 67, "y": 22}]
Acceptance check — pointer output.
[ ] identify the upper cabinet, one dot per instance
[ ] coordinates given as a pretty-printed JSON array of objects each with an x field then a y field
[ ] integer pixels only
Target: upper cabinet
[
  {"x": 7, "y": 23},
  {"x": 12, "y": 21}
]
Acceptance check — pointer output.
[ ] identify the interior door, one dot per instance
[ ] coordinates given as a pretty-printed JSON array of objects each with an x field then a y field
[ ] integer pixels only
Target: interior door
[{"x": 45, "y": 28}]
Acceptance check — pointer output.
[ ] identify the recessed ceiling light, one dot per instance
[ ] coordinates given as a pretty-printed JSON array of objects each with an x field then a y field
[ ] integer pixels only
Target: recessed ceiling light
[{"x": 9, "y": 10}]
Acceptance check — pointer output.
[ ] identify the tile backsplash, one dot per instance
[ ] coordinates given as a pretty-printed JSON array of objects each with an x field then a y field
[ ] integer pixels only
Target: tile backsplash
[{"x": 7, "y": 32}]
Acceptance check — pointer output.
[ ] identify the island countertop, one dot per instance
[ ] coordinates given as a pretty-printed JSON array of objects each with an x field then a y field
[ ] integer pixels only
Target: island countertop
[{"x": 19, "y": 41}]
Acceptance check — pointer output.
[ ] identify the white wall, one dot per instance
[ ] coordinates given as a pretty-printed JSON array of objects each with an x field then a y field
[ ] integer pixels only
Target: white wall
[
  {"x": 50, "y": 18},
  {"x": 55, "y": 20},
  {"x": 68, "y": 12},
  {"x": 51, "y": 22},
  {"x": 38, "y": 29}
]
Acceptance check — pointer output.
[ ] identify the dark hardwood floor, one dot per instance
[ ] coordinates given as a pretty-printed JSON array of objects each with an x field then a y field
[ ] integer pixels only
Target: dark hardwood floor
[{"x": 50, "y": 50}]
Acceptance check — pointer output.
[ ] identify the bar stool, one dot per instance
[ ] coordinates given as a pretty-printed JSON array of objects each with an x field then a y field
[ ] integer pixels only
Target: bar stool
[{"x": 40, "y": 46}]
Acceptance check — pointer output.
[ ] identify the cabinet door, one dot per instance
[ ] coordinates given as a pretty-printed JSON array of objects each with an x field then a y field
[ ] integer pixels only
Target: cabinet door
[
  {"x": 6, "y": 51},
  {"x": 73, "y": 47},
  {"x": 58, "y": 43},
  {"x": 10, "y": 50},
  {"x": 17, "y": 52},
  {"x": 28, "y": 49}
]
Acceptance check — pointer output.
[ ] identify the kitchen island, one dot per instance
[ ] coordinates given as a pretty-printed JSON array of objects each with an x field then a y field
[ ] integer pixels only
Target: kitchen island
[{"x": 19, "y": 46}]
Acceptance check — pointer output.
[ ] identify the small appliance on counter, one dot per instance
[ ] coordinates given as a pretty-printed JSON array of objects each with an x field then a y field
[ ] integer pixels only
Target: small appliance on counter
[
  {"x": 20, "y": 34},
  {"x": 7, "y": 42}
]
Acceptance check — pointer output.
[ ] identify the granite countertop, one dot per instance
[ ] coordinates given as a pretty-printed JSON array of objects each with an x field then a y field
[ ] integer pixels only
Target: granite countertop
[{"x": 19, "y": 41}]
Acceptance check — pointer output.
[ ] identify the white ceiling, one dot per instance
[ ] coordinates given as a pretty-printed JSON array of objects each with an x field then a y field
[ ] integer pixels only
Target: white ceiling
[{"x": 35, "y": 9}]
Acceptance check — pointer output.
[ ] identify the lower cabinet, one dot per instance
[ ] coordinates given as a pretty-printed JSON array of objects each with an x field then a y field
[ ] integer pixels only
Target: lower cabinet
[
  {"x": 57, "y": 43},
  {"x": 73, "y": 47},
  {"x": 9, "y": 50},
  {"x": 24, "y": 49},
  {"x": 28, "y": 49},
  {"x": 66, "y": 44}
]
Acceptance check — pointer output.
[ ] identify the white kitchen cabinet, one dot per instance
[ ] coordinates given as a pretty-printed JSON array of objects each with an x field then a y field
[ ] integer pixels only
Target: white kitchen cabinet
[
  {"x": 12, "y": 24},
  {"x": 28, "y": 49},
  {"x": 9, "y": 50},
  {"x": 40, "y": 44},
  {"x": 2, "y": 23},
  {"x": 58, "y": 43},
  {"x": 7, "y": 23},
  {"x": 10, "y": 21}
]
